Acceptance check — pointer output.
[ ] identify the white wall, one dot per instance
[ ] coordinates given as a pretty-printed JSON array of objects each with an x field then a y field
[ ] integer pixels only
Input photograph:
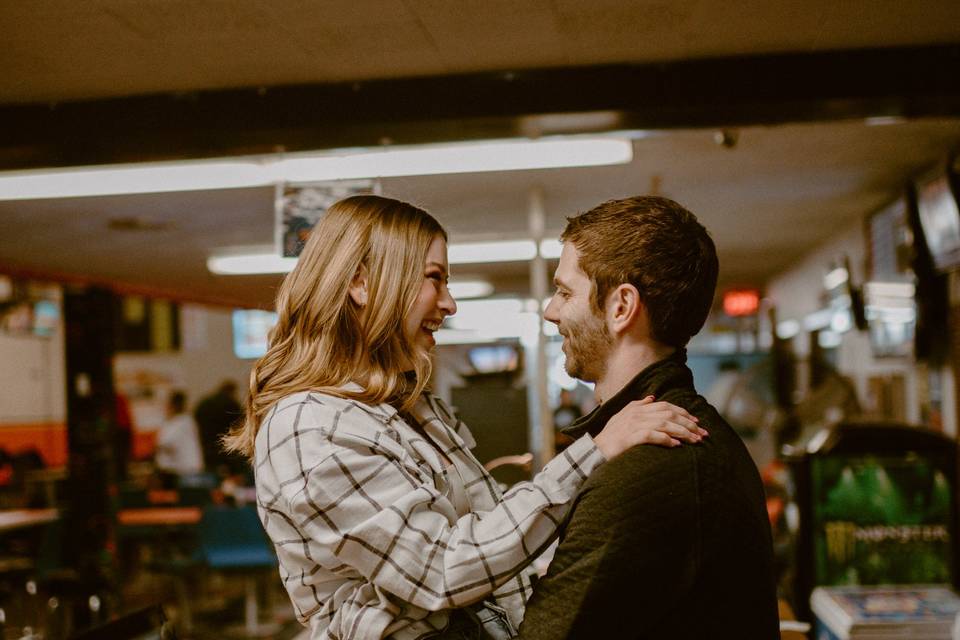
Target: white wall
[
  {"x": 32, "y": 372},
  {"x": 205, "y": 359}
]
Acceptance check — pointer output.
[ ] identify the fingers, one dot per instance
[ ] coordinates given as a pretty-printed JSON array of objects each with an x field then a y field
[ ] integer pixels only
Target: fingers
[
  {"x": 680, "y": 432},
  {"x": 658, "y": 438},
  {"x": 667, "y": 412}
]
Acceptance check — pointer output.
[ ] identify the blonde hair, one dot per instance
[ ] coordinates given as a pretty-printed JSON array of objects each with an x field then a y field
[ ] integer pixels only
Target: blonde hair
[{"x": 323, "y": 340}]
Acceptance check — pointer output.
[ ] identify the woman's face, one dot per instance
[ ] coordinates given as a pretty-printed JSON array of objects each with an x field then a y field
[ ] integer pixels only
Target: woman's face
[{"x": 434, "y": 302}]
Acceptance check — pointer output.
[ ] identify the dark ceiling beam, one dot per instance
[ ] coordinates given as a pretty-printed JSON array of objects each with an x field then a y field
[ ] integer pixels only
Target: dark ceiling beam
[{"x": 721, "y": 92}]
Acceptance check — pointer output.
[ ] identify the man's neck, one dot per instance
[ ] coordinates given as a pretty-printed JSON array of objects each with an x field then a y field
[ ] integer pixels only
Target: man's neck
[{"x": 624, "y": 363}]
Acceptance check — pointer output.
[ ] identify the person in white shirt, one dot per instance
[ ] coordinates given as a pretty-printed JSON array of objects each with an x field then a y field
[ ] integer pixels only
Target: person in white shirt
[
  {"x": 384, "y": 523},
  {"x": 178, "y": 450}
]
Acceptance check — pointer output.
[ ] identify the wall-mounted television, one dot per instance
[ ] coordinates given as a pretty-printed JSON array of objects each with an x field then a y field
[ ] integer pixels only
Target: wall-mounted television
[
  {"x": 251, "y": 328},
  {"x": 940, "y": 217}
]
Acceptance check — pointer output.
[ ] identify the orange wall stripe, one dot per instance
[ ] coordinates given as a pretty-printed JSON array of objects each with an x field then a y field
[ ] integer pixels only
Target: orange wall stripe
[{"x": 49, "y": 439}]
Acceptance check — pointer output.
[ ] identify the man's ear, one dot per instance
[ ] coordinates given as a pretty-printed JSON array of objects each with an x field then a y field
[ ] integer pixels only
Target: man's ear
[
  {"x": 624, "y": 308},
  {"x": 358, "y": 287}
]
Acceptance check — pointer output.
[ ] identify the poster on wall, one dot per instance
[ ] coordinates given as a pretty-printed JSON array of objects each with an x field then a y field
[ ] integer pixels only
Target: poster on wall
[{"x": 300, "y": 206}]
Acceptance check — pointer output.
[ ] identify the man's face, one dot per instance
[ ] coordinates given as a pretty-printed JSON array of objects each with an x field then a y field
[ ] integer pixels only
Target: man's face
[{"x": 586, "y": 338}]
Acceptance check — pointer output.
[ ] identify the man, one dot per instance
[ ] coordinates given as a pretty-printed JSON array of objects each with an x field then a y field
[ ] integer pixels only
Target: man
[
  {"x": 178, "y": 443},
  {"x": 668, "y": 543},
  {"x": 215, "y": 414}
]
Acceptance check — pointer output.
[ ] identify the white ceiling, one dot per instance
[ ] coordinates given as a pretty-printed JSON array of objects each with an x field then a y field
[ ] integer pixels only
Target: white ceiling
[{"x": 774, "y": 196}]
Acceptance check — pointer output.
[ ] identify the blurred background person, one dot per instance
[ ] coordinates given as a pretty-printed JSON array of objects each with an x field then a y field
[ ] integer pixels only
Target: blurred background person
[
  {"x": 215, "y": 414},
  {"x": 178, "y": 443}
]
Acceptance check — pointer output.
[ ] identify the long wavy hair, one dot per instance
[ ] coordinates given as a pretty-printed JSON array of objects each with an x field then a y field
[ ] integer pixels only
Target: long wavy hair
[{"x": 323, "y": 340}]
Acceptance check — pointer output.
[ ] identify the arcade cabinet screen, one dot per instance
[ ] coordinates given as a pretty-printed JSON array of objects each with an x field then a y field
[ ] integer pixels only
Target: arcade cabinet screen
[{"x": 881, "y": 520}]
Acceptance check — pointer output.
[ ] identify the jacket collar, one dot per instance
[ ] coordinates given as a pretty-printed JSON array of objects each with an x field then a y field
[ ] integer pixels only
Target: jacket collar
[{"x": 659, "y": 377}]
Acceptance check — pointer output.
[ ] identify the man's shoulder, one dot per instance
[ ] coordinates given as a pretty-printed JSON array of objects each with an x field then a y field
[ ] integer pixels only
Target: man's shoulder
[{"x": 640, "y": 483}]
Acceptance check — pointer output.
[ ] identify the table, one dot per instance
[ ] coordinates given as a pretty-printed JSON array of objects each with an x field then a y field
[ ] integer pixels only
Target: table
[
  {"x": 11, "y": 519},
  {"x": 159, "y": 516},
  {"x": 786, "y": 615},
  {"x": 48, "y": 479}
]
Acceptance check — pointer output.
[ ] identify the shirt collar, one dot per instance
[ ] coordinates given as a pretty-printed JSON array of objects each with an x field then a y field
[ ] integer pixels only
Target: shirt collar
[{"x": 669, "y": 373}]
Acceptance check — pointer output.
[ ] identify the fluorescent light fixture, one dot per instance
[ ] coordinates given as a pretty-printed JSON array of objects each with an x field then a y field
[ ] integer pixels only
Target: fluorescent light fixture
[
  {"x": 903, "y": 290},
  {"x": 250, "y": 264},
  {"x": 818, "y": 320},
  {"x": 132, "y": 178},
  {"x": 259, "y": 171},
  {"x": 505, "y": 251},
  {"x": 551, "y": 248},
  {"x": 263, "y": 260},
  {"x": 787, "y": 329},
  {"x": 841, "y": 322},
  {"x": 466, "y": 157},
  {"x": 459, "y": 336},
  {"x": 881, "y": 121},
  {"x": 501, "y": 251},
  {"x": 466, "y": 289},
  {"x": 829, "y": 339},
  {"x": 835, "y": 278}
]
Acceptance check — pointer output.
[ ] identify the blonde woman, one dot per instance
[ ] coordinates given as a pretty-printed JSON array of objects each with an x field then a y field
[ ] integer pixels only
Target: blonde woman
[{"x": 383, "y": 521}]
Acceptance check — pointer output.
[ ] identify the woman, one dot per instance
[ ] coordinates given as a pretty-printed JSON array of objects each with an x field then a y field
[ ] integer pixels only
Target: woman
[{"x": 383, "y": 522}]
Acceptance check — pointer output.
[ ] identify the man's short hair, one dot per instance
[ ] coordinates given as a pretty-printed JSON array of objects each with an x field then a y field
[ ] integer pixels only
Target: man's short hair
[
  {"x": 178, "y": 401},
  {"x": 657, "y": 246}
]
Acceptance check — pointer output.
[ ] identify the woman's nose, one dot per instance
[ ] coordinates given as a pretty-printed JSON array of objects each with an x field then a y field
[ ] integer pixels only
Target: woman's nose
[{"x": 447, "y": 303}]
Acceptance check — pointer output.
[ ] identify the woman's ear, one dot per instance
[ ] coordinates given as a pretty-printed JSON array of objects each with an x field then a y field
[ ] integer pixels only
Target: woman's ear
[{"x": 358, "y": 287}]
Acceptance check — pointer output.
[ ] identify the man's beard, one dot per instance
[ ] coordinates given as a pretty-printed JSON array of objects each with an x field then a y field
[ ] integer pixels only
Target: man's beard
[{"x": 588, "y": 342}]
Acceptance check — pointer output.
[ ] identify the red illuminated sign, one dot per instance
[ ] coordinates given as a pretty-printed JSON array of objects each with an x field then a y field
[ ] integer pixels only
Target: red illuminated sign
[{"x": 741, "y": 302}]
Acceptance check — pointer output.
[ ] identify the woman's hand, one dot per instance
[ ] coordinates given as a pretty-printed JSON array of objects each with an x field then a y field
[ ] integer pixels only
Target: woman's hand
[{"x": 647, "y": 422}]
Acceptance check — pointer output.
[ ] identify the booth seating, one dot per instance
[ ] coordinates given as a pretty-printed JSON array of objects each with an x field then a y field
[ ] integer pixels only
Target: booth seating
[{"x": 232, "y": 540}]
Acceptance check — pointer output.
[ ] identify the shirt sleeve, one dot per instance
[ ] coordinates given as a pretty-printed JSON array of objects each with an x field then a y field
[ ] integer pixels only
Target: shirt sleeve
[
  {"x": 627, "y": 554},
  {"x": 385, "y": 519}
]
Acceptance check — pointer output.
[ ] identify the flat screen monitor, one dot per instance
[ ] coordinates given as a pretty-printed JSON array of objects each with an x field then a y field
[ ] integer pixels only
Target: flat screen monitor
[
  {"x": 891, "y": 314},
  {"x": 940, "y": 218},
  {"x": 495, "y": 358},
  {"x": 251, "y": 330},
  {"x": 882, "y": 519},
  {"x": 46, "y": 317}
]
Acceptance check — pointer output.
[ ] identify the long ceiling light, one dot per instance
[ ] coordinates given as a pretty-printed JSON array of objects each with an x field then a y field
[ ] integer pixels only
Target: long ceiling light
[
  {"x": 259, "y": 171},
  {"x": 266, "y": 260}
]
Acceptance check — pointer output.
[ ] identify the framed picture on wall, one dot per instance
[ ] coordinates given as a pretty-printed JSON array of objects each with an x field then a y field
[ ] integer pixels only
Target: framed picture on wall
[{"x": 300, "y": 206}]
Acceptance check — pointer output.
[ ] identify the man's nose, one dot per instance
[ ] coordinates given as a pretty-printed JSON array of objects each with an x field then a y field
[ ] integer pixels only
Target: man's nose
[{"x": 550, "y": 313}]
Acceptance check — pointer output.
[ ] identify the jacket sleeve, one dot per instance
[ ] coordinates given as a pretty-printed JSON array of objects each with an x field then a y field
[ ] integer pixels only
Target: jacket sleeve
[
  {"x": 627, "y": 553},
  {"x": 385, "y": 519}
]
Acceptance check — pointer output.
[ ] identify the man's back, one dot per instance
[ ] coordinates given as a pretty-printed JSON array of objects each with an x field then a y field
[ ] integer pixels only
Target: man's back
[
  {"x": 663, "y": 543},
  {"x": 214, "y": 415}
]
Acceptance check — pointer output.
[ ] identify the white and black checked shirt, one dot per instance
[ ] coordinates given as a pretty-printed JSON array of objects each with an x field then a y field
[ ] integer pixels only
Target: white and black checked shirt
[{"x": 359, "y": 507}]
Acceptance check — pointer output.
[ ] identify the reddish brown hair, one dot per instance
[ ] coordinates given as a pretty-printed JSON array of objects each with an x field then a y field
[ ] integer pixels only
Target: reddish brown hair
[{"x": 661, "y": 249}]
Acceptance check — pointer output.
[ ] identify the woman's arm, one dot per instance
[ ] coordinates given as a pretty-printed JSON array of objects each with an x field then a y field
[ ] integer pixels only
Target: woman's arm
[
  {"x": 364, "y": 510},
  {"x": 386, "y": 519}
]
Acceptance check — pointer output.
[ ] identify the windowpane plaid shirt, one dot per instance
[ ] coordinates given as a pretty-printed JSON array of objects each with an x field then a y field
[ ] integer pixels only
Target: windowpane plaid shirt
[{"x": 360, "y": 509}]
